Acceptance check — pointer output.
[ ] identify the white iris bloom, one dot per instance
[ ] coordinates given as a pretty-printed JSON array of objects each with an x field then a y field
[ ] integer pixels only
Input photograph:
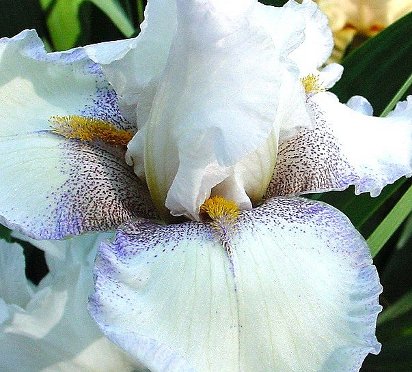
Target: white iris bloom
[{"x": 217, "y": 112}]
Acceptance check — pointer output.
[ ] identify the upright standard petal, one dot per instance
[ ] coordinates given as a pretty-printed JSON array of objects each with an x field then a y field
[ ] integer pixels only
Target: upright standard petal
[
  {"x": 318, "y": 42},
  {"x": 215, "y": 104},
  {"x": 289, "y": 286},
  {"x": 345, "y": 147},
  {"x": 53, "y": 184},
  {"x": 53, "y": 331},
  {"x": 135, "y": 66}
]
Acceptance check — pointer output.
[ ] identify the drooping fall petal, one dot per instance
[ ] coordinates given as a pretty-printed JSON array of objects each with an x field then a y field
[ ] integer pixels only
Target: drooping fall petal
[
  {"x": 54, "y": 183},
  {"x": 290, "y": 286},
  {"x": 52, "y": 330},
  {"x": 345, "y": 147},
  {"x": 14, "y": 287}
]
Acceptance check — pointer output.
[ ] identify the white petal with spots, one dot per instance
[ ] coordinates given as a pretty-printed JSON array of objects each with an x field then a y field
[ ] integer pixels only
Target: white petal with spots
[
  {"x": 298, "y": 292},
  {"x": 50, "y": 186},
  {"x": 345, "y": 147}
]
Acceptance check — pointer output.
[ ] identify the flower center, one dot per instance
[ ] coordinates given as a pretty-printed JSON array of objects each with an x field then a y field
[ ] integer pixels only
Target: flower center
[
  {"x": 89, "y": 129},
  {"x": 223, "y": 214},
  {"x": 219, "y": 208},
  {"x": 312, "y": 84}
]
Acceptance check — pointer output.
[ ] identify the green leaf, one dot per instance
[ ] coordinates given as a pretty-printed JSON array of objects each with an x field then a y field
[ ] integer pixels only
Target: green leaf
[
  {"x": 396, "y": 355},
  {"x": 405, "y": 238},
  {"x": 395, "y": 328},
  {"x": 63, "y": 23},
  {"x": 140, "y": 11},
  {"x": 395, "y": 267},
  {"x": 4, "y": 233},
  {"x": 379, "y": 67},
  {"x": 361, "y": 208},
  {"x": 64, "y": 20},
  {"x": 395, "y": 334},
  {"x": 398, "y": 96},
  {"x": 391, "y": 222},
  {"x": 399, "y": 308},
  {"x": 117, "y": 15}
]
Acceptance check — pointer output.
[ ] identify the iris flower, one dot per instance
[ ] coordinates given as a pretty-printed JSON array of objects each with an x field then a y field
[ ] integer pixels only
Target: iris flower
[
  {"x": 198, "y": 136},
  {"x": 47, "y": 327},
  {"x": 348, "y": 18}
]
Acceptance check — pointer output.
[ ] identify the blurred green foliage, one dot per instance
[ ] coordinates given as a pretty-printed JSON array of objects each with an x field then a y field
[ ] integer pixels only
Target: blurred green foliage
[
  {"x": 70, "y": 22},
  {"x": 377, "y": 70}
]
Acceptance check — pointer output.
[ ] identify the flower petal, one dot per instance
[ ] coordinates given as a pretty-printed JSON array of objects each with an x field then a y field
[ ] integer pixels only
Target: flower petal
[
  {"x": 345, "y": 147},
  {"x": 292, "y": 289},
  {"x": 61, "y": 253},
  {"x": 360, "y": 104},
  {"x": 318, "y": 43},
  {"x": 54, "y": 331},
  {"x": 4, "y": 311},
  {"x": 134, "y": 66},
  {"x": 14, "y": 287},
  {"x": 52, "y": 186},
  {"x": 223, "y": 76},
  {"x": 249, "y": 178}
]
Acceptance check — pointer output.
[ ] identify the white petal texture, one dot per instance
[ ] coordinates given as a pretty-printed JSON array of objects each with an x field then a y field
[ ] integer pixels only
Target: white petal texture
[
  {"x": 216, "y": 101},
  {"x": 134, "y": 66},
  {"x": 291, "y": 289},
  {"x": 345, "y": 147},
  {"x": 53, "y": 331},
  {"x": 318, "y": 42},
  {"x": 52, "y": 186},
  {"x": 14, "y": 287}
]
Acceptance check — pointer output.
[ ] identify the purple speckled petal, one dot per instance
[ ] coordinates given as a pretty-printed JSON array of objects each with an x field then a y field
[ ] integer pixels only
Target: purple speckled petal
[
  {"x": 293, "y": 288},
  {"x": 345, "y": 147},
  {"x": 50, "y": 186}
]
